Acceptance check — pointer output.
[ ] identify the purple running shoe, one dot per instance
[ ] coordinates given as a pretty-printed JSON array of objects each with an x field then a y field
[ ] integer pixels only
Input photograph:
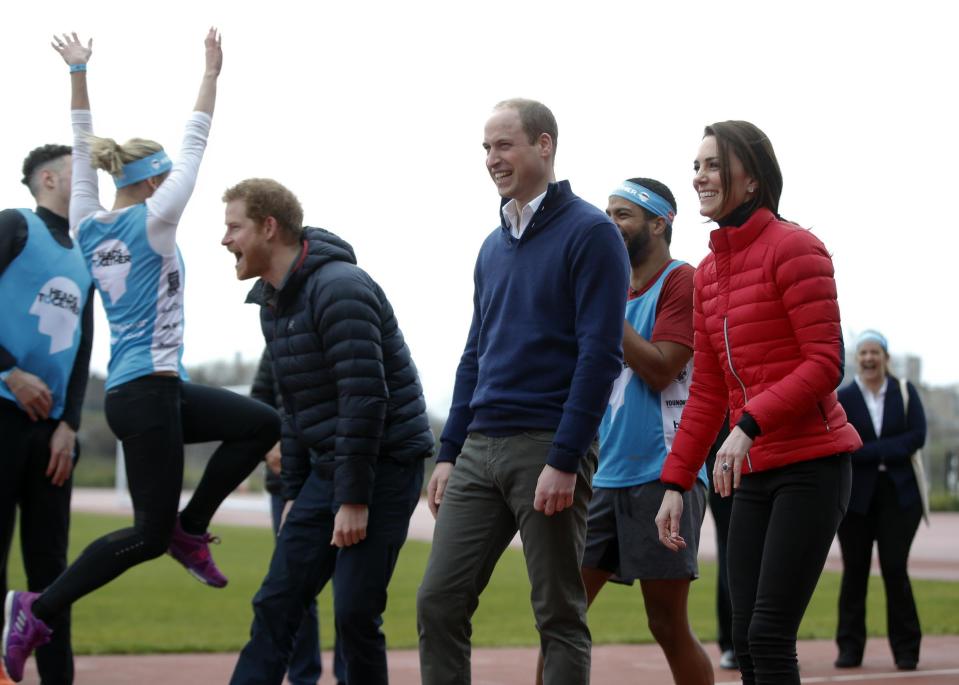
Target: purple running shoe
[
  {"x": 193, "y": 551},
  {"x": 22, "y": 632}
]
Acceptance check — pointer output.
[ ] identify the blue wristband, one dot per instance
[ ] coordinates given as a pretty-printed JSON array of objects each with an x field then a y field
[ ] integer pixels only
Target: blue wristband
[{"x": 77, "y": 67}]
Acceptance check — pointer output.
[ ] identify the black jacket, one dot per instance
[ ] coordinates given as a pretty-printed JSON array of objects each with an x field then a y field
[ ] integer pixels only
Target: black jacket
[
  {"x": 901, "y": 436},
  {"x": 265, "y": 389},
  {"x": 351, "y": 393}
]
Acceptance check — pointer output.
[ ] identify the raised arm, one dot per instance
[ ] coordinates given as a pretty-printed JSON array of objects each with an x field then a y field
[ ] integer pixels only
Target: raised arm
[
  {"x": 206, "y": 98},
  {"x": 167, "y": 204},
  {"x": 84, "y": 193},
  {"x": 76, "y": 55}
]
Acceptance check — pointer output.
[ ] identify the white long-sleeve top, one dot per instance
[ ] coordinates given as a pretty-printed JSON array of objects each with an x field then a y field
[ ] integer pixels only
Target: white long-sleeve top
[{"x": 133, "y": 256}]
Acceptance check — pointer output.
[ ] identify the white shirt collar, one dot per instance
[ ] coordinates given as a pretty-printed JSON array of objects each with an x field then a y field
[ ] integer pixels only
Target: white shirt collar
[
  {"x": 875, "y": 403},
  {"x": 518, "y": 221}
]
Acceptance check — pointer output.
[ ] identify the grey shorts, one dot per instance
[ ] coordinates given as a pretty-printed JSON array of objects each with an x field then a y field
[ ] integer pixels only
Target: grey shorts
[{"x": 621, "y": 535}]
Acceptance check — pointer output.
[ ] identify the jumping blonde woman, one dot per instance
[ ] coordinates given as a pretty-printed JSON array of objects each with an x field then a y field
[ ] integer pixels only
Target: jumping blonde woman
[{"x": 132, "y": 255}]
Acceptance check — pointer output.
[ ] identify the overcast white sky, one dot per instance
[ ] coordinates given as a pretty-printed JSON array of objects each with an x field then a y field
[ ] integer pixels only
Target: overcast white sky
[{"x": 373, "y": 112}]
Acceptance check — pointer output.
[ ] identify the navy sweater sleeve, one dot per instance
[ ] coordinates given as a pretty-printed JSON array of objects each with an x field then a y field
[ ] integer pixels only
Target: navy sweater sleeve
[
  {"x": 460, "y": 416},
  {"x": 600, "y": 277}
]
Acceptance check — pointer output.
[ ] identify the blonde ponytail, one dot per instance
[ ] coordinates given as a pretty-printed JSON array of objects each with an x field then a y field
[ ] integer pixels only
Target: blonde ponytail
[{"x": 107, "y": 154}]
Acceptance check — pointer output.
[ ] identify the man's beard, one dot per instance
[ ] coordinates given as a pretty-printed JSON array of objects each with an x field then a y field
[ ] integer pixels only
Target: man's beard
[{"x": 637, "y": 247}]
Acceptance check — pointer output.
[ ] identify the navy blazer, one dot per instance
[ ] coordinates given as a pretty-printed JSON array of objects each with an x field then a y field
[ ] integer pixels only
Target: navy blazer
[{"x": 901, "y": 436}]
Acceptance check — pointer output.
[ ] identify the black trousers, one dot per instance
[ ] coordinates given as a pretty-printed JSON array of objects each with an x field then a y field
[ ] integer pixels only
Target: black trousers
[
  {"x": 893, "y": 530},
  {"x": 44, "y": 525},
  {"x": 722, "y": 508},
  {"x": 783, "y": 522},
  {"x": 154, "y": 416}
]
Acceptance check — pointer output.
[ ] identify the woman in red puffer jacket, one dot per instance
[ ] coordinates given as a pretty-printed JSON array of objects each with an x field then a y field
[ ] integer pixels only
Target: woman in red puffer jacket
[{"x": 768, "y": 346}]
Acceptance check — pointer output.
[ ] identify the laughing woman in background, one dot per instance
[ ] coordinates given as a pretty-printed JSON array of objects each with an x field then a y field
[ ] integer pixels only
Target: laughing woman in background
[{"x": 885, "y": 506}]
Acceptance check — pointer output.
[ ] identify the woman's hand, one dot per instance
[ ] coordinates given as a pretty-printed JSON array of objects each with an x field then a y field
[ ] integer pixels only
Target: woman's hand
[
  {"x": 214, "y": 52},
  {"x": 72, "y": 50},
  {"x": 728, "y": 469}
]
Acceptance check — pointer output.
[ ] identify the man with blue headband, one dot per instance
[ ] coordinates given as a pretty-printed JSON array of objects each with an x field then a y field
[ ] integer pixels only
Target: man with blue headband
[
  {"x": 45, "y": 343},
  {"x": 637, "y": 430}
]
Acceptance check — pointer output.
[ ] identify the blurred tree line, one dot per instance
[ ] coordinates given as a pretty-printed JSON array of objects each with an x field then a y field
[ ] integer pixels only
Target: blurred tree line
[
  {"x": 98, "y": 446},
  {"x": 97, "y": 466}
]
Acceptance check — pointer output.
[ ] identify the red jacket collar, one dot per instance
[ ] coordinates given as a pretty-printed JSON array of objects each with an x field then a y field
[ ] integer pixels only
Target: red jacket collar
[{"x": 726, "y": 238}]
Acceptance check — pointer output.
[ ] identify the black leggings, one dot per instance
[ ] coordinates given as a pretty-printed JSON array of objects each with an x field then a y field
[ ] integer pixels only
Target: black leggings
[
  {"x": 154, "y": 416},
  {"x": 782, "y": 524}
]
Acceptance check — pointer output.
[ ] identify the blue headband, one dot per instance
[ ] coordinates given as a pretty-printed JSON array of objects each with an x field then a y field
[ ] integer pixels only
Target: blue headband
[
  {"x": 646, "y": 198},
  {"x": 141, "y": 169},
  {"x": 873, "y": 336}
]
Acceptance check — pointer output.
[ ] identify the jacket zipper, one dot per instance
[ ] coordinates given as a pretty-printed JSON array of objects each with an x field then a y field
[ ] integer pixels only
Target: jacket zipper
[
  {"x": 729, "y": 358},
  {"x": 822, "y": 413}
]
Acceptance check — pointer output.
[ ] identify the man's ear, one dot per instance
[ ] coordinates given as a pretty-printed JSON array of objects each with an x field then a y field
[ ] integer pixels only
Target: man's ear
[
  {"x": 271, "y": 229},
  {"x": 47, "y": 181},
  {"x": 659, "y": 226},
  {"x": 545, "y": 143}
]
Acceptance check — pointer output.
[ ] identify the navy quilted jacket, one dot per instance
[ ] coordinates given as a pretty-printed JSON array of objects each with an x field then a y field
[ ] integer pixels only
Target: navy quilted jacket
[{"x": 351, "y": 393}]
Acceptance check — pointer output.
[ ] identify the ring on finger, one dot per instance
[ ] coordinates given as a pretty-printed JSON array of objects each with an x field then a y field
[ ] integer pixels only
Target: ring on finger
[{"x": 724, "y": 466}]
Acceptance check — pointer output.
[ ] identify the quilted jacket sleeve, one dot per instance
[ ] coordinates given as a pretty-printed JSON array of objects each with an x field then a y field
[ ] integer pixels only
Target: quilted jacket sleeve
[
  {"x": 294, "y": 462},
  {"x": 706, "y": 408},
  {"x": 347, "y": 313},
  {"x": 803, "y": 274}
]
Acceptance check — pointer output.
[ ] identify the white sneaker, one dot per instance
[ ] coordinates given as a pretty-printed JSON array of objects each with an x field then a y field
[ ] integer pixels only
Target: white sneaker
[{"x": 727, "y": 660}]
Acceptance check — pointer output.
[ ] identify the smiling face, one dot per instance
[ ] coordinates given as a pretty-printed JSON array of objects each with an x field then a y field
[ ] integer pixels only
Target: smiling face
[
  {"x": 247, "y": 242},
  {"x": 521, "y": 170},
  {"x": 716, "y": 202},
  {"x": 872, "y": 361},
  {"x": 636, "y": 229}
]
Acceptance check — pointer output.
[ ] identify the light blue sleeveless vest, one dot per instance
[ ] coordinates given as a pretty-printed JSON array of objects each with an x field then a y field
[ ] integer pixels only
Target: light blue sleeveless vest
[
  {"x": 639, "y": 424},
  {"x": 142, "y": 293},
  {"x": 44, "y": 291}
]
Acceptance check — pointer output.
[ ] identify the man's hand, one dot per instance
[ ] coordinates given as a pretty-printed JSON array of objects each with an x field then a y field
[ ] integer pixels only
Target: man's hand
[
  {"x": 32, "y": 394},
  {"x": 349, "y": 526},
  {"x": 667, "y": 521},
  {"x": 63, "y": 443},
  {"x": 273, "y": 459},
  {"x": 437, "y": 485},
  {"x": 554, "y": 491}
]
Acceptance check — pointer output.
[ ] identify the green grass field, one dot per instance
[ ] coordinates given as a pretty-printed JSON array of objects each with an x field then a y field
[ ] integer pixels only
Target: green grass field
[{"x": 158, "y": 607}]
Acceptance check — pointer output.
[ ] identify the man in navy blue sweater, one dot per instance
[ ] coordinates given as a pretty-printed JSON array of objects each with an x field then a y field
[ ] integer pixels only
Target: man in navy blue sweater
[{"x": 519, "y": 448}]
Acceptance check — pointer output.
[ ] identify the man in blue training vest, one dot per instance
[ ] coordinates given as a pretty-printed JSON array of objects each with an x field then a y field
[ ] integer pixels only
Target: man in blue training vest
[
  {"x": 543, "y": 350},
  {"x": 45, "y": 343},
  {"x": 637, "y": 430}
]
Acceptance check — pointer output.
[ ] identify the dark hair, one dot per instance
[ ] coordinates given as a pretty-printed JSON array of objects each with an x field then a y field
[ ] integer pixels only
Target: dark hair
[
  {"x": 40, "y": 156},
  {"x": 752, "y": 147},
  {"x": 664, "y": 192},
  {"x": 536, "y": 118},
  {"x": 265, "y": 197}
]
